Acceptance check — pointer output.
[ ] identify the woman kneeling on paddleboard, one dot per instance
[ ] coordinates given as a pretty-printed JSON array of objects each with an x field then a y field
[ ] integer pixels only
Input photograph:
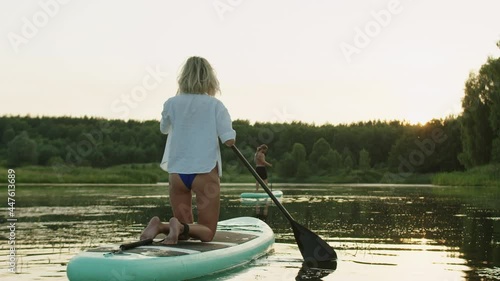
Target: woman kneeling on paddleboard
[{"x": 194, "y": 121}]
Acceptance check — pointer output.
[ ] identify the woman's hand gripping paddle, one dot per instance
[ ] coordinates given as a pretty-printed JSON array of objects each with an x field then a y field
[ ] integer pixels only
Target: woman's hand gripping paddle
[{"x": 314, "y": 250}]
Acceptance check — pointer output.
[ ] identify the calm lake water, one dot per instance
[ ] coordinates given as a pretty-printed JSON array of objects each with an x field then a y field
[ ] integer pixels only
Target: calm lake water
[{"x": 380, "y": 232}]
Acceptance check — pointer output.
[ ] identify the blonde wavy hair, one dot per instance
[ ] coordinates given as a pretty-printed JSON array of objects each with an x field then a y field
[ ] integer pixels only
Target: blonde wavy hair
[
  {"x": 262, "y": 147},
  {"x": 198, "y": 77}
]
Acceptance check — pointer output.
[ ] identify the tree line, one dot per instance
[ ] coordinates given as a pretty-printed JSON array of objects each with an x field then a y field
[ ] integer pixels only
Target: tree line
[{"x": 296, "y": 149}]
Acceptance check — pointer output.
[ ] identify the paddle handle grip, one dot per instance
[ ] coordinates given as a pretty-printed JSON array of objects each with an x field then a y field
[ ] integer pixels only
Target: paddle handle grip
[{"x": 132, "y": 245}]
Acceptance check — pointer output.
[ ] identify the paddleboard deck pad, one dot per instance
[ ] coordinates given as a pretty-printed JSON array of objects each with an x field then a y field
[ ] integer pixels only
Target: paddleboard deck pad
[{"x": 237, "y": 241}]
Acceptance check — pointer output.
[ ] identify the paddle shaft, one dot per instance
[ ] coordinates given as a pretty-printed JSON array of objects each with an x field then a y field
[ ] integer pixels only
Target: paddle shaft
[
  {"x": 270, "y": 180},
  {"x": 262, "y": 183}
]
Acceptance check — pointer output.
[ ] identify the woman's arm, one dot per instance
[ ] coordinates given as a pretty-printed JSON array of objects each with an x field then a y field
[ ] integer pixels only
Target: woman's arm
[
  {"x": 224, "y": 126},
  {"x": 230, "y": 142},
  {"x": 165, "y": 119}
]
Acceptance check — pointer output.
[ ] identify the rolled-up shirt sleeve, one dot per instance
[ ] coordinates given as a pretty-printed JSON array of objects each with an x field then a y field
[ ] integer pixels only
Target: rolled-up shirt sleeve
[
  {"x": 224, "y": 124},
  {"x": 165, "y": 121}
]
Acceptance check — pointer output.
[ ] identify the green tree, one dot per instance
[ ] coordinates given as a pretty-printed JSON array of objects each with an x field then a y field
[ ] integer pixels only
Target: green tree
[
  {"x": 299, "y": 156},
  {"x": 364, "y": 160},
  {"x": 348, "y": 162},
  {"x": 492, "y": 71},
  {"x": 22, "y": 151},
  {"x": 449, "y": 152},
  {"x": 46, "y": 152},
  {"x": 287, "y": 167},
  {"x": 318, "y": 155},
  {"x": 495, "y": 150},
  {"x": 294, "y": 163},
  {"x": 477, "y": 118},
  {"x": 302, "y": 170},
  {"x": 335, "y": 159},
  {"x": 299, "y": 153},
  {"x": 481, "y": 116},
  {"x": 400, "y": 151},
  {"x": 348, "y": 158},
  {"x": 320, "y": 147},
  {"x": 8, "y": 135},
  {"x": 324, "y": 163}
]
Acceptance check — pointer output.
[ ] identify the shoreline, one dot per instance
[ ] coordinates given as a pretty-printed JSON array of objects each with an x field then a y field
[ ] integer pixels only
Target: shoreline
[
  {"x": 239, "y": 184},
  {"x": 150, "y": 175}
]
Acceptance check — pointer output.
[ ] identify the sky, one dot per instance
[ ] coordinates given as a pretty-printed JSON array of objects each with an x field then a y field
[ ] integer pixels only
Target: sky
[{"x": 318, "y": 62}]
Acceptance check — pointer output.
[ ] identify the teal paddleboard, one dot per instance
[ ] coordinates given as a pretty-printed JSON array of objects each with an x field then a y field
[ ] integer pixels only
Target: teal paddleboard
[
  {"x": 237, "y": 241},
  {"x": 261, "y": 195}
]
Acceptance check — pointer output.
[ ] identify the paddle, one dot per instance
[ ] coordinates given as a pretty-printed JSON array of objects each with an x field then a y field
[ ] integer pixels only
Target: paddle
[
  {"x": 313, "y": 249},
  {"x": 270, "y": 180}
]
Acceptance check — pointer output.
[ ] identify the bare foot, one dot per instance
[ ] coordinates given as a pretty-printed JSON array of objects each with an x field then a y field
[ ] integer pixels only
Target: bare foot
[
  {"x": 175, "y": 230},
  {"x": 152, "y": 229}
]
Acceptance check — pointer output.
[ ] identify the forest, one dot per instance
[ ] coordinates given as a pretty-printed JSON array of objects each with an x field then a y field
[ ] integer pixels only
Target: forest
[{"x": 297, "y": 150}]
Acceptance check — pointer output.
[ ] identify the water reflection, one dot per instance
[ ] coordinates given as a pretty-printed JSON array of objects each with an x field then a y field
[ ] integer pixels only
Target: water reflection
[
  {"x": 316, "y": 272},
  {"x": 391, "y": 233},
  {"x": 484, "y": 230}
]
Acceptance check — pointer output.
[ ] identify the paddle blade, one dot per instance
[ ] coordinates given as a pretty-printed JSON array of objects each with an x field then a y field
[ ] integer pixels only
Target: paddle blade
[
  {"x": 323, "y": 269},
  {"x": 314, "y": 250}
]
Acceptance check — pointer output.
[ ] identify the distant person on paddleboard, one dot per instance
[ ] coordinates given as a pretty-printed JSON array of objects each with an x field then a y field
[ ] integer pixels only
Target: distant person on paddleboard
[
  {"x": 261, "y": 164},
  {"x": 195, "y": 121}
]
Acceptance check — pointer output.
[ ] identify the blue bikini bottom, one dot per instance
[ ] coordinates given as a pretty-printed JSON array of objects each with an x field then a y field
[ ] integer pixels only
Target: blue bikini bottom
[{"x": 188, "y": 179}]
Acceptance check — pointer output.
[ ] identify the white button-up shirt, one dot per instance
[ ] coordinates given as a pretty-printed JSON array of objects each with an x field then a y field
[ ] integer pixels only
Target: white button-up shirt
[{"x": 194, "y": 124}]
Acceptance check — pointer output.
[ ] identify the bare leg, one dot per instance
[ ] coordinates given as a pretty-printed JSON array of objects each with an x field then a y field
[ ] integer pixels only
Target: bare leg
[
  {"x": 207, "y": 190},
  {"x": 180, "y": 200},
  {"x": 180, "y": 197}
]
